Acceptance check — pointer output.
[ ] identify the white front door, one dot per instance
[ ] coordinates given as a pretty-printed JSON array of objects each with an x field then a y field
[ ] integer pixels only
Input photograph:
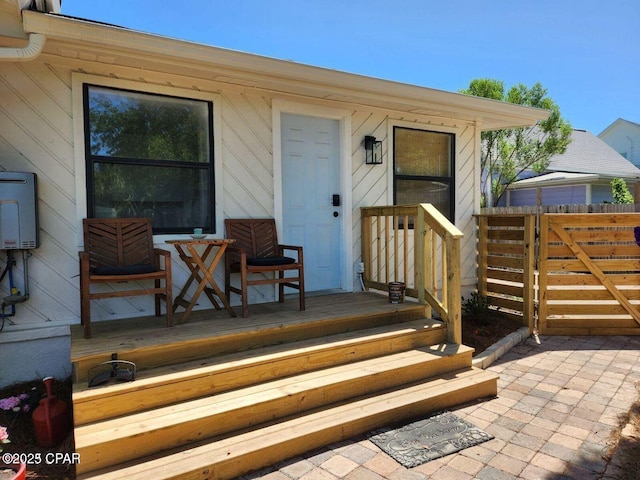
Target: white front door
[{"x": 311, "y": 194}]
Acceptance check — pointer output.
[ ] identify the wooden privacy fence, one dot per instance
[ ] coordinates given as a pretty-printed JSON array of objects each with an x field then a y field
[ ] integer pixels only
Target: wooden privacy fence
[
  {"x": 582, "y": 271},
  {"x": 506, "y": 263},
  {"x": 418, "y": 246}
]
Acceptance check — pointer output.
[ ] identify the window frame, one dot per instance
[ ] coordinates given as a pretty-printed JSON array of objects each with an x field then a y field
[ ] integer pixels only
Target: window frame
[
  {"x": 210, "y": 166},
  {"x": 450, "y": 180}
]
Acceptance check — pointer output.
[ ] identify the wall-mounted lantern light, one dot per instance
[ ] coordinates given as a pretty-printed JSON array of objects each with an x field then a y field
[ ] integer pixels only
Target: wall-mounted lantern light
[{"x": 373, "y": 150}]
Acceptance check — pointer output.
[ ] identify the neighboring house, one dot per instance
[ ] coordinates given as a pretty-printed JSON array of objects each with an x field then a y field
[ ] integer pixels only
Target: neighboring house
[
  {"x": 273, "y": 138},
  {"x": 624, "y": 137},
  {"x": 581, "y": 175}
]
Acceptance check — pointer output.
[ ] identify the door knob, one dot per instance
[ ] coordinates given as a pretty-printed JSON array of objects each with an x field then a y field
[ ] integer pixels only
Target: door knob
[{"x": 335, "y": 214}]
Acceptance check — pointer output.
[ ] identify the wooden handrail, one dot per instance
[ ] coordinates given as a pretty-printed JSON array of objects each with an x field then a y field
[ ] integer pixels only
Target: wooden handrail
[{"x": 419, "y": 246}]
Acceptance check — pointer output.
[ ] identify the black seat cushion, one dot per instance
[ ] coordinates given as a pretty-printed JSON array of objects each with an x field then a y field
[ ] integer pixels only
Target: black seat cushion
[
  {"x": 124, "y": 270},
  {"x": 270, "y": 261}
]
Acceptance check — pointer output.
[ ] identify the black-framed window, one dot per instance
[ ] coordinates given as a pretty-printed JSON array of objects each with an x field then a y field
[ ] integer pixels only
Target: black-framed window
[
  {"x": 423, "y": 166},
  {"x": 149, "y": 155}
]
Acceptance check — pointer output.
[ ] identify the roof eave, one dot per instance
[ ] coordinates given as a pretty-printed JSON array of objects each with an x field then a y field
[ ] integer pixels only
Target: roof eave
[
  {"x": 488, "y": 114},
  {"x": 584, "y": 178}
]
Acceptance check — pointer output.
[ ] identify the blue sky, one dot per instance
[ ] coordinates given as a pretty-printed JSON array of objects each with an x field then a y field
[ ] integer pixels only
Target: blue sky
[{"x": 586, "y": 53}]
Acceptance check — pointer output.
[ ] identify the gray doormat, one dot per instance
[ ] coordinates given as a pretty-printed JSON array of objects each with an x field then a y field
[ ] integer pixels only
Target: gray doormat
[{"x": 434, "y": 437}]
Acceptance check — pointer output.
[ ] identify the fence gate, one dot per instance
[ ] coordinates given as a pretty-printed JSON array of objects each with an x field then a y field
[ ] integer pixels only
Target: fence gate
[
  {"x": 589, "y": 279},
  {"x": 582, "y": 271}
]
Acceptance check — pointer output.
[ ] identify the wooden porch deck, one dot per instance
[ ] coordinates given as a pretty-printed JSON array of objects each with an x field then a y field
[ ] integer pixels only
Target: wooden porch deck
[{"x": 146, "y": 341}]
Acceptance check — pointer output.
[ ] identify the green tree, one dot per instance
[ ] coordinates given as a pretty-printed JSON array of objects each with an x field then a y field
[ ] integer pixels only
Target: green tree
[
  {"x": 620, "y": 192},
  {"x": 507, "y": 153}
]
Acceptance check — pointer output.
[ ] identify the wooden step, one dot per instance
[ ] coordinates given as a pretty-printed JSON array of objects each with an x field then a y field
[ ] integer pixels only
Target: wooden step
[
  {"x": 142, "y": 434},
  {"x": 202, "y": 338},
  {"x": 191, "y": 380},
  {"x": 228, "y": 457}
]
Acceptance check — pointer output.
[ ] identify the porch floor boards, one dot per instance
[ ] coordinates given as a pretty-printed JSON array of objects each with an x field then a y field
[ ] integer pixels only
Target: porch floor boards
[
  {"x": 150, "y": 344},
  {"x": 142, "y": 332}
]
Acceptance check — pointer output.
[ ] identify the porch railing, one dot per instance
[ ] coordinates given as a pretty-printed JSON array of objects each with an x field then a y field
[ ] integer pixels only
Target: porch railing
[{"x": 419, "y": 246}]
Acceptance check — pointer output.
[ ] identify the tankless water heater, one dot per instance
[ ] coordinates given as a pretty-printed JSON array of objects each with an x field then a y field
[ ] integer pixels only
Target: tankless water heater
[{"x": 18, "y": 211}]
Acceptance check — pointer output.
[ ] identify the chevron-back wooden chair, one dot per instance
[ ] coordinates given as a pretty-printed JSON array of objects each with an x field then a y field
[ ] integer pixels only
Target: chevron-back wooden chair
[
  {"x": 121, "y": 250},
  {"x": 256, "y": 251}
]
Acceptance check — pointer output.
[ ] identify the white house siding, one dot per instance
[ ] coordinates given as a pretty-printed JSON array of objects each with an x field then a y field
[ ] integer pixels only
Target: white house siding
[
  {"x": 369, "y": 182},
  {"x": 372, "y": 184},
  {"x": 467, "y": 202},
  {"x": 37, "y": 135},
  {"x": 624, "y": 137},
  {"x": 247, "y": 156}
]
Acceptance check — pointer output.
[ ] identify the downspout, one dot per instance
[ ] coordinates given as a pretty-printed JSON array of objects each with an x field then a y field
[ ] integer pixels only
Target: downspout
[{"x": 29, "y": 52}]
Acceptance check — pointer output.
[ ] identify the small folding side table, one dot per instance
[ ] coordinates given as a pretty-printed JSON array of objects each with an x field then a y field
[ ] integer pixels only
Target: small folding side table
[{"x": 201, "y": 267}]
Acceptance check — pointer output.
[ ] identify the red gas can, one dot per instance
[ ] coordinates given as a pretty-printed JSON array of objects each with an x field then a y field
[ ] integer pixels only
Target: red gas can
[{"x": 50, "y": 419}]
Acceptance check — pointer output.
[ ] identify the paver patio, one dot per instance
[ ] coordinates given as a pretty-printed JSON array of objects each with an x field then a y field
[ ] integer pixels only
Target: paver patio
[{"x": 559, "y": 400}]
